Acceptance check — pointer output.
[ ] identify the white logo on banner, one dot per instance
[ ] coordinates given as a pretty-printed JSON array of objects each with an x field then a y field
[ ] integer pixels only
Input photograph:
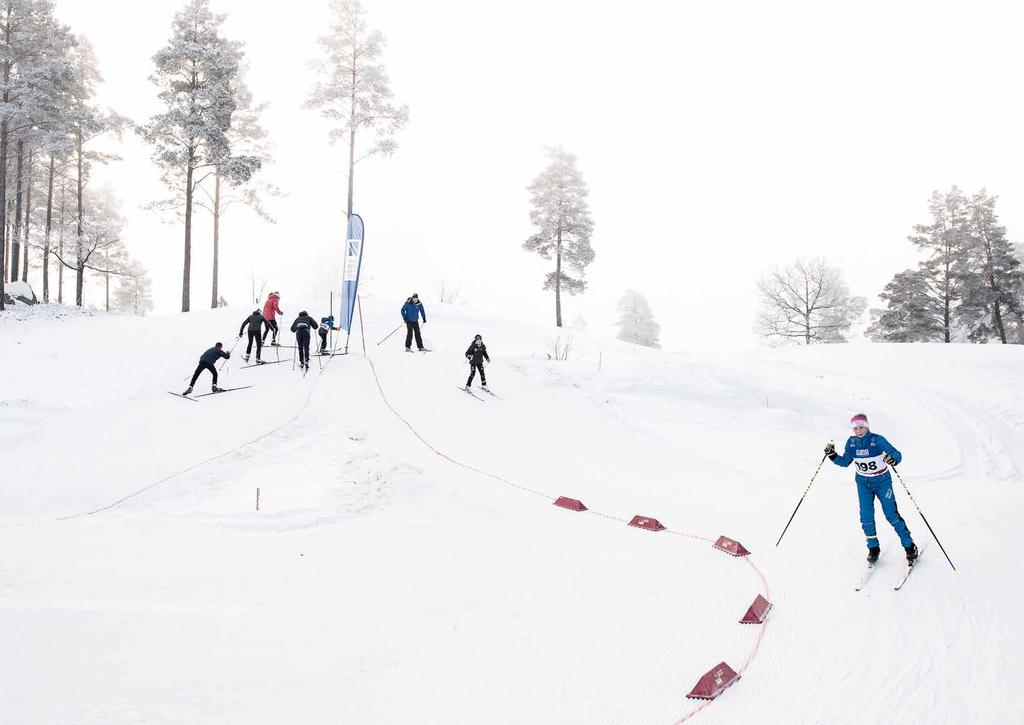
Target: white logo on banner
[{"x": 352, "y": 260}]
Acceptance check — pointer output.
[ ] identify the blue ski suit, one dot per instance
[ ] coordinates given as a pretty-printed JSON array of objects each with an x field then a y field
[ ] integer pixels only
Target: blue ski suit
[{"x": 874, "y": 480}]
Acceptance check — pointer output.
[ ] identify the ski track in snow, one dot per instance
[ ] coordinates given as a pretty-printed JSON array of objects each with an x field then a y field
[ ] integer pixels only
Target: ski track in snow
[{"x": 373, "y": 569}]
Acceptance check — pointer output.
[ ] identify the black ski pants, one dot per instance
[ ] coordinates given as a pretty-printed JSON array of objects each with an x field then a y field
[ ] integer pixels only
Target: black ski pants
[
  {"x": 413, "y": 328},
  {"x": 472, "y": 374},
  {"x": 323, "y": 340},
  {"x": 254, "y": 335},
  {"x": 271, "y": 325},
  {"x": 302, "y": 338},
  {"x": 200, "y": 368}
]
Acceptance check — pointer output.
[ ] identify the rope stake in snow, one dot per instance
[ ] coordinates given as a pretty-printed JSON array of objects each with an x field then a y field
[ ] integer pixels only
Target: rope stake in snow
[
  {"x": 816, "y": 472},
  {"x": 919, "y": 511}
]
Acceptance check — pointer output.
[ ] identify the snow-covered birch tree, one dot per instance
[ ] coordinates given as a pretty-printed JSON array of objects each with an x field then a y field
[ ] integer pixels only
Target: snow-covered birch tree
[
  {"x": 352, "y": 88},
  {"x": 562, "y": 217},
  {"x": 636, "y": 320},
  {"x": 807, "y": 302},
  {"x": 196, "y": 74}
]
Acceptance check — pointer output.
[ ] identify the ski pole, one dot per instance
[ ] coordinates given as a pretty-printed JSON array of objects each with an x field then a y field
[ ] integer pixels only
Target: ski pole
[
  {"x": 225, "y": 362},
  {"x": 923, "y": 518},
  {"x": 391, "y": 333},
  {"x": 816, "y": 472}
]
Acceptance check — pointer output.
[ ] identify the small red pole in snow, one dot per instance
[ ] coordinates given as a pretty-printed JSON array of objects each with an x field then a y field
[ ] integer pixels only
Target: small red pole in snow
[
  {"x": 362, "y": 332},
  {"x": 257, "y": 499}
]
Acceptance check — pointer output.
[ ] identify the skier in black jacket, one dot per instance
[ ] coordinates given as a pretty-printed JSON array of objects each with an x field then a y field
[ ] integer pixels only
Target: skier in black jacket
[
  {"x": 476, "y": 354},
  {"x": 206, "y": 361},
  {"x": 255, "y": 321},
  {"x": 303, "y": 327}
]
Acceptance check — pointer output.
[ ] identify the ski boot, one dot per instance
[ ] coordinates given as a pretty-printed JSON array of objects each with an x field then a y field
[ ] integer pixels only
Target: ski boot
[
  {"x": 260, "y": 362},
  {"x": 408, "y": 349},
  {"x": 873, "y": 553},
  {"x": 245, "y": 357},
  {"x": 217, "y": 390},
  {"x": 189, "y": 391},
  {"x": 911, "y": 553}
]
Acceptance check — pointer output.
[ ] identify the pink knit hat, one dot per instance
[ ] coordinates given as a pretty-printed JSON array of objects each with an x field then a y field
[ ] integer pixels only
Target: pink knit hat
[{"x": 858, "y": 420}]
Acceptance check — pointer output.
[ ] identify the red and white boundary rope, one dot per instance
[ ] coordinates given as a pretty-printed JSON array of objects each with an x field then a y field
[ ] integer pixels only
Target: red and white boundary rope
[{"x": 760, "y": 629}]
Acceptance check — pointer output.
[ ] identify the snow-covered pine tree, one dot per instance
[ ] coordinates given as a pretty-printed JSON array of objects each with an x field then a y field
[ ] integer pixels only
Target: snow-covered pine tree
[
  {"x": 559, "y": 211},
  {"x": 352, "y": 88},
  {"x": 247, "y": 139},
  {"x": 913, "y": 313},
  {"x": 807, "y": 302},
  {"x": 33, "y": 68},
  {"x": 993, "y": 276},
  {"x": 196, "y": 74},
  {"x": 945, "y": 239},
  {"x": 636, "y": 320},
  {"x": 134, "y": 290}
]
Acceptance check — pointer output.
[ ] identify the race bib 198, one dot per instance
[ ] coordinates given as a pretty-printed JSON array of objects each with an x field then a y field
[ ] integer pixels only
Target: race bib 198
[{"x": 873, "y": 466}]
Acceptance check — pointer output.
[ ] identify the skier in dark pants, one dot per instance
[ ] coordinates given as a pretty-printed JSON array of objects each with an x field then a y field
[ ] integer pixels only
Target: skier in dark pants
[
  {"x": 411, "y": 311},
  {"x": 872, "y": 455},
  {"x": 206, "y": 361},
  {"x": 255, "y": 321},
  {"x": 326, "y": 325},
  {"x": 476, "y": 354},
  {"x": 303, "y": 327},
  {"x": 271, "y": 309}
]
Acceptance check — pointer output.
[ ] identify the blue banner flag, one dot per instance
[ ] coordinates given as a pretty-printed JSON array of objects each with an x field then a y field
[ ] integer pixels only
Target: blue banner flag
[{"x": 350, "y": 273}]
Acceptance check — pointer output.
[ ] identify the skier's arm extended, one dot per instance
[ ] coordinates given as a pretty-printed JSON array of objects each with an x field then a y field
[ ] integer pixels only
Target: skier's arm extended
[
  {"x": 422, "y": 312},
  {"x": 840, "y": 460},
  {"x": 295, "y": 325},
  {"x": 486, "y": 356},
  {"x": 890, "y": 452},
  {"x": 244, "y": 323}
]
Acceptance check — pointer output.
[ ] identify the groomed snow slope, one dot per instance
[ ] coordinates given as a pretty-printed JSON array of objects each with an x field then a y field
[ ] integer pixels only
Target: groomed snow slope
[{"x": 381, "y": 582}]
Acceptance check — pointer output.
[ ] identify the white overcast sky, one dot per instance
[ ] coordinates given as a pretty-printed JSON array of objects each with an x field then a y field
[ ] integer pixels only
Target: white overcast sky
[{"x": 718, "y": 139}]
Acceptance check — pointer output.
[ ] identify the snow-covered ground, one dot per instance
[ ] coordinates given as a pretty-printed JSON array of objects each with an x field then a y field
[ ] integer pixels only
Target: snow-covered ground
[{"x": 406, "y": 563}]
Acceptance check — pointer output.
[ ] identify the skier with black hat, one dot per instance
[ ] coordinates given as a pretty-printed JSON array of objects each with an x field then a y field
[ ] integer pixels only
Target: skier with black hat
[
  {"x": 303, "y": 327},
  {"x": 411, "y": 312},
  {"x": 206, "y": 362},
  {"x": 255, "y": 321},
  {"x": 476, "y": 354}
]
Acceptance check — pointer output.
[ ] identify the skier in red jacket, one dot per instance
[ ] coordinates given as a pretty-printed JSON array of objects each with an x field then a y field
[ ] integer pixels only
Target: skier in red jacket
[{"x": 270, "y": 311}]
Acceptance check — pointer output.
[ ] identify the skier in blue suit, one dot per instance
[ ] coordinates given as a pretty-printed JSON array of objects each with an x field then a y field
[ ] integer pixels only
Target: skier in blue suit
[
  {"x": 411, "y": 311},
  {"x": 872, "y": 455}
]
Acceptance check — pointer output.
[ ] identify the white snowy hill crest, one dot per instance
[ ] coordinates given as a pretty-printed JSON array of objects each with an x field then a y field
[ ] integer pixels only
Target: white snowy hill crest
[{"x": 395, "y": 570}]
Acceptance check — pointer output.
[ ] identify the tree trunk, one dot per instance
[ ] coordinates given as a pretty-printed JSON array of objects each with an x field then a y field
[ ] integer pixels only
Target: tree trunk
[
  {"x": 106, "y": 281},
  {"x": 351, "y": 166},
  {"x": 46, "y": 233},
  {"x": 28, "y": 216},
  {"x": 187, "y": 270},
  {"x": 997, "y": 315},
  {"x": 60, "y": 243},
  {"x": 4, "y": 138},
  {"x": 352, "y": 131},
  {"x": 216, "y": 236},
  {"x": 79, "y": 240},
  {"x": 558, "y": 277},
  {"x": 18, "y": 193}
]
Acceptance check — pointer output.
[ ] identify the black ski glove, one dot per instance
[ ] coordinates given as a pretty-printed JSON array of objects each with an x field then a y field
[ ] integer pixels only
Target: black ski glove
[
  {"x": 889, "y": 460},
  {"x": 830, "y": 450}
]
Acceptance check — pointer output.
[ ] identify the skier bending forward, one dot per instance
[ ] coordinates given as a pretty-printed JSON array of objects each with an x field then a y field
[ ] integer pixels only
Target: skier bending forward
[
  {"x": 206, "y": 361},
  {"x": 872, "y": 455},
  {"x": 476, "y": 354}
]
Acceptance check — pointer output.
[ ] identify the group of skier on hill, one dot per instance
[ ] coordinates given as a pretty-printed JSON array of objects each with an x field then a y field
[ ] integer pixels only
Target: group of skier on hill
[{"x": 260, "y": 324}]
